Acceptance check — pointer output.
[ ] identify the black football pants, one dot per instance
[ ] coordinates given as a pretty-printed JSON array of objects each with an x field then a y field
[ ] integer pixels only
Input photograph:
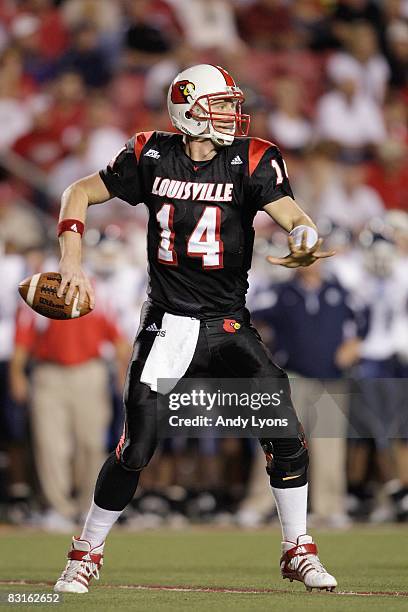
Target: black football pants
[{"x": 218, "y": 354}]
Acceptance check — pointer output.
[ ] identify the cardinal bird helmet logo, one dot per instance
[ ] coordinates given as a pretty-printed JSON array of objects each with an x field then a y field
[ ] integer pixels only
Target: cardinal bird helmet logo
[{"x": 182, "y": 92}]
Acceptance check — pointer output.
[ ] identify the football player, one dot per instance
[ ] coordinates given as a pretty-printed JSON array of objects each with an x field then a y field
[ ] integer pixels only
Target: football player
[{"x": 203, "y": 187}]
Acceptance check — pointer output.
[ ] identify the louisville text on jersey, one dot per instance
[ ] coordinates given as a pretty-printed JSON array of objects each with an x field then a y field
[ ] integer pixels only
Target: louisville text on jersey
[{"x": 181, "y": 190}]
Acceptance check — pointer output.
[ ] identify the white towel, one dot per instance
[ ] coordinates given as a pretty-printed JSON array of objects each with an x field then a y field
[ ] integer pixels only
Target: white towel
[{"x": 172, "y": 353}]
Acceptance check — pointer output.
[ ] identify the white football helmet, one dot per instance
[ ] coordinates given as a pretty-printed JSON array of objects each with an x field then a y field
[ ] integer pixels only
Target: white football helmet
[{"x": 191, "y": 99}]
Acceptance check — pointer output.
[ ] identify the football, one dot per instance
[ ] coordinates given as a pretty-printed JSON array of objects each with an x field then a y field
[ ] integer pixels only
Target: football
[{"x": 40, "y": 293}]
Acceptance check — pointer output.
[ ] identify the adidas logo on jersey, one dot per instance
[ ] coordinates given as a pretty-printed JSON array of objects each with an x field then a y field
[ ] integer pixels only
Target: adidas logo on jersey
[
  {"x": 153, "y": 328},
  {"x": 152, "y": 153},
  {"x": 237, "y": 160}
]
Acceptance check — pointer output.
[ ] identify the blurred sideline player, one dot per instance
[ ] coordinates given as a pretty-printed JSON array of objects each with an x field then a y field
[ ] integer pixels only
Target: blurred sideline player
[{"x": 203, "y": 189}]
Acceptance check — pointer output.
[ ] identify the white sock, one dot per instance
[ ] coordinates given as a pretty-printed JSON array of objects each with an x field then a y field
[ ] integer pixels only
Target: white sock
[
  {"x": 292, "y": 510},
  {"x": 98, "y": 524}
]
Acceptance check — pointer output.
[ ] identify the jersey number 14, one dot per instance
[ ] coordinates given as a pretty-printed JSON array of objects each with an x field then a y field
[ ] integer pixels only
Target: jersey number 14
[{"x": 204, "y": 242}]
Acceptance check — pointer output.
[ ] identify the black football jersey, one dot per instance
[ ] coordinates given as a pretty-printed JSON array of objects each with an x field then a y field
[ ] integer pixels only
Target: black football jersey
[{"x": 200, "y": 230}]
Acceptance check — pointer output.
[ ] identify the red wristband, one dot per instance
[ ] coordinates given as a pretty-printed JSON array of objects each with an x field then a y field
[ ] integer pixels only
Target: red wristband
[{"x": 70, "y": 225}]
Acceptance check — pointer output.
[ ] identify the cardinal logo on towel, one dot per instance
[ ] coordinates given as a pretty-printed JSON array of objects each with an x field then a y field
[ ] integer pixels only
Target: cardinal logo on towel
[{"x": 231, "y": 326}]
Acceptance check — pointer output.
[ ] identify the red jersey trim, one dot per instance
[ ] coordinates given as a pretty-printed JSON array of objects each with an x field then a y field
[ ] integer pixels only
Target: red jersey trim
[
  {"x": 257, "y": 148},
  {"x": 140, "y": 140}
]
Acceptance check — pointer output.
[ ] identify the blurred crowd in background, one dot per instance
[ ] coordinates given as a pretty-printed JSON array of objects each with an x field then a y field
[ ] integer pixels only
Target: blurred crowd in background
[{"x": 327, "y": 81}]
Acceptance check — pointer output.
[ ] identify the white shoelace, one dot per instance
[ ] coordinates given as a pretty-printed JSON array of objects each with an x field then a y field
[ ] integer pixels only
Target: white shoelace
[{"x": 73, "y": 567}]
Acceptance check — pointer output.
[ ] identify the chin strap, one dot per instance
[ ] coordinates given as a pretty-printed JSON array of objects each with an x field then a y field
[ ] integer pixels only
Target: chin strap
[{"x": 222, "y": 140}]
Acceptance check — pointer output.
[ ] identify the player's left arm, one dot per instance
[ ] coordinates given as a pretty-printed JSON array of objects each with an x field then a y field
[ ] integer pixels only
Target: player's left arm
[
  {"x": 288, "y": 214},
  {"x": 270, "y": 190},
  {"x": 303, "y": 240}
]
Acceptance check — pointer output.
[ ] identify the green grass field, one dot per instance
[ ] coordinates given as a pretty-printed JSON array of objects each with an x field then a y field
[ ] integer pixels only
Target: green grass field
[{"x": 366, "y": 560}]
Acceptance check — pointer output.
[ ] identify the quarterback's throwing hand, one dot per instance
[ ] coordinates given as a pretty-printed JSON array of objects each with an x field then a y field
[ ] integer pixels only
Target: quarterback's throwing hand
[
  {"x": 300, "y": 255},
  {"x": 74, "y": 278}
]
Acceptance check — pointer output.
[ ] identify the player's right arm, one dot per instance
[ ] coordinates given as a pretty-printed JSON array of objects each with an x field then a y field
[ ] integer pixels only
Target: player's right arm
[
  {"x": 121, "y": 179},
  {"x": 74, "y": 205}
]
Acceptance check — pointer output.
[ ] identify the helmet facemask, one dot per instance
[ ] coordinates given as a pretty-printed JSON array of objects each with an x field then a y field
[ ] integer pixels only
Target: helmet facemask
[{"x": 221, "y": 126}]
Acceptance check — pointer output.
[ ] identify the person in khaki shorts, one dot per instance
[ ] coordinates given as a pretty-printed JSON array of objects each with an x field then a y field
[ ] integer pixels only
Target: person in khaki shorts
[{"x": 70, "y": 403}]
